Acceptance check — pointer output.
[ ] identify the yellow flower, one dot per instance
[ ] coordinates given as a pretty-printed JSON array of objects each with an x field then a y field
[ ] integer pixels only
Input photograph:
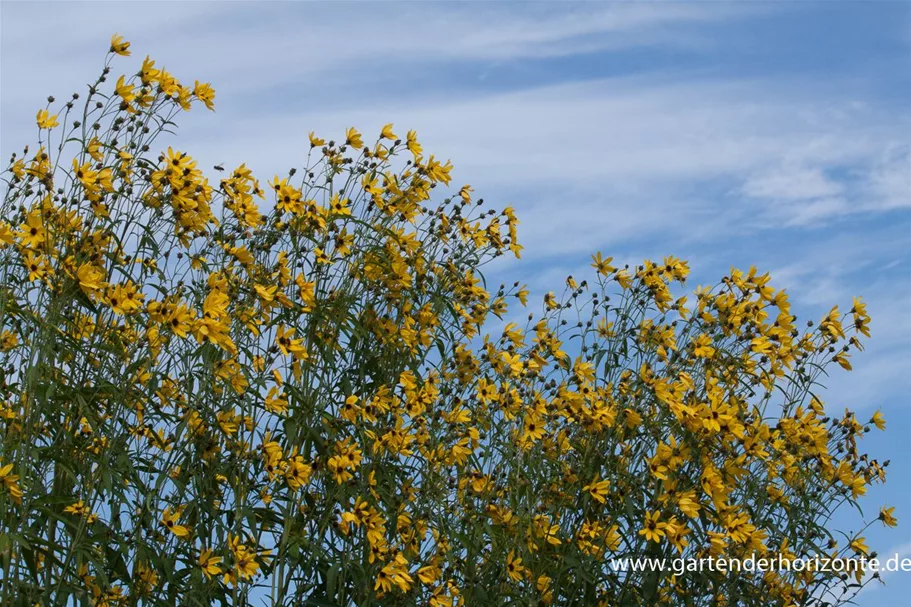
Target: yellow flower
[
  {"x": 245, "y": 564},
  {"x": 654, "y": 529},
  {"x": 429, "y": 574},
  {"x": 288, "y": 345},
  {"x": 169, "y": 520},
  {"x": 32, "y": 233},
  {"x": 624, "y": 278},
  {"x": 887, "y": 516},
  {"x": 46, "y": 121},
  {"x": 205, "y": 93},
  {"x": 10, "y": 481},
  {"x": 522, "y": 295},
  {"x": 80, "y": 509},
  {"x": 94, "y": 150},
  {"x": 120, "y": 46},
  {"x": 266, "y": 294},
  {"x": 209, "y": 563},
  {"x": 353, "y": 138},
  {"x": 514, "y": 567},
  {"x": 411, "y": 141},
  {"x": 688, "y": 504},
  {"x": 91, "y": 278},
  {"x": 339, "y": 206},
  {"x": 85, "y": 175},
  {"x": 465, "y": 194},
  {"x": 316, "y": 141},
  {"x": 597, "y": 489},
  {"x": 387, "y": 133},
  {"x": 124, "y": 299},
  {"x": 601, "y": 265},
  {"x": 859, "y": 546},
  {"x": 8, "y": 341},
  {"x": 179, "y": 320},
  {"x": 297, "y": 474},
  {"x": 36, "y": 265},
  {"x": 276, "y": 402},
  {"x": 842, "y": 359},
  {"x": 125, "y": 90},
  {"x": 878, "y": 420},
  {"x": 148, "y": 73},
  {"x": 394, "y": 573},
  {"x": 702, "y": 346}
]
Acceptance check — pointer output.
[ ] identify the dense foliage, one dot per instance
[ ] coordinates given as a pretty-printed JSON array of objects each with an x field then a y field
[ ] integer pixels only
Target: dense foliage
[{"x": 215, "y": 392}]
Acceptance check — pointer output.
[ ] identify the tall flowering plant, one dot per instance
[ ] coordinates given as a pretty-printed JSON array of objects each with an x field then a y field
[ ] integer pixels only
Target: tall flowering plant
[{"x": 217, "y": 391}]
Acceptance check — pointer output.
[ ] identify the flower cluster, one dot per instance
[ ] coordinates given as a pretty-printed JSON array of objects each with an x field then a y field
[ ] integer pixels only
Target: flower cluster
[{"x": 217, "y": 391}]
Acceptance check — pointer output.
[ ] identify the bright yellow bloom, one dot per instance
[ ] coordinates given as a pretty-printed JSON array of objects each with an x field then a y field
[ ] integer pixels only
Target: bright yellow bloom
[
  {"x": 597, "y": 489},
  {"x": 124, "y": 299},
  {"x": 688, "y": 503},
  {"x": 37, "y": 266},
  {"x": 411, "y": 141},
  {"x": 10, "y": 481},
  {"x": 859, "y": 546},
  {"x": 297, "y": 473},
  {"x": 32, "y": 233},
  {"x": 8, "y": 341},
  {"x": 395, "y": 574},
  {"x": 276, "y": 402},
  {"x": 288, "y": 345},
  {"x": 887, "y": 516},
  {"x": 316, "y": 141},
  {"x": 119, "y": 45},
  {"x": 702, "y": 346},
  {"x": 148, "y": 73},
  {"x": 169, "y": 520},
  {"x": 94, "y": 149},
  {"x": 514, "y": 567},
  {"x": 878, "y": 420},
  {"x": 46, "y": 121},
  {"x": 353, "y": 138},
  {"x": 205, "y": 93},
  {"x": 842, "y": 359},
  {"x": 861, "y": 318},
  {"x": 601, "y": 265},
  {"x": 80, "y": 509},
  {"x": 339, "y": 206},
  {"x": 654, "y": 529},
  {"x": 387, "y": 133},
  {"x": 246, "y": 566},
  {"x": 209, "y": 563}
]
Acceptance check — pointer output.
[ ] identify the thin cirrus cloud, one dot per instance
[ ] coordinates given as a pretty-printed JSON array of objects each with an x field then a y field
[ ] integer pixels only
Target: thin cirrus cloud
[
  {"x": 792, "y": 183},
  {"x": 268, "y": 43},
  {"x": 891, "y": 178}
]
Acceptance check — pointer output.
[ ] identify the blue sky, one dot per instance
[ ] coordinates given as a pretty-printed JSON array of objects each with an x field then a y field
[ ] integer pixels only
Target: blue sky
[{"x": 769, "y": 133}]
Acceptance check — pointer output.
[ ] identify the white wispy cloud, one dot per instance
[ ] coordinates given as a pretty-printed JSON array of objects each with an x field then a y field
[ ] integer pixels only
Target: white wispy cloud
[
  {"x": 252, "y": 45},
  {"x": 791, "y": 182},
  {"x": 890, "y": 179}
]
